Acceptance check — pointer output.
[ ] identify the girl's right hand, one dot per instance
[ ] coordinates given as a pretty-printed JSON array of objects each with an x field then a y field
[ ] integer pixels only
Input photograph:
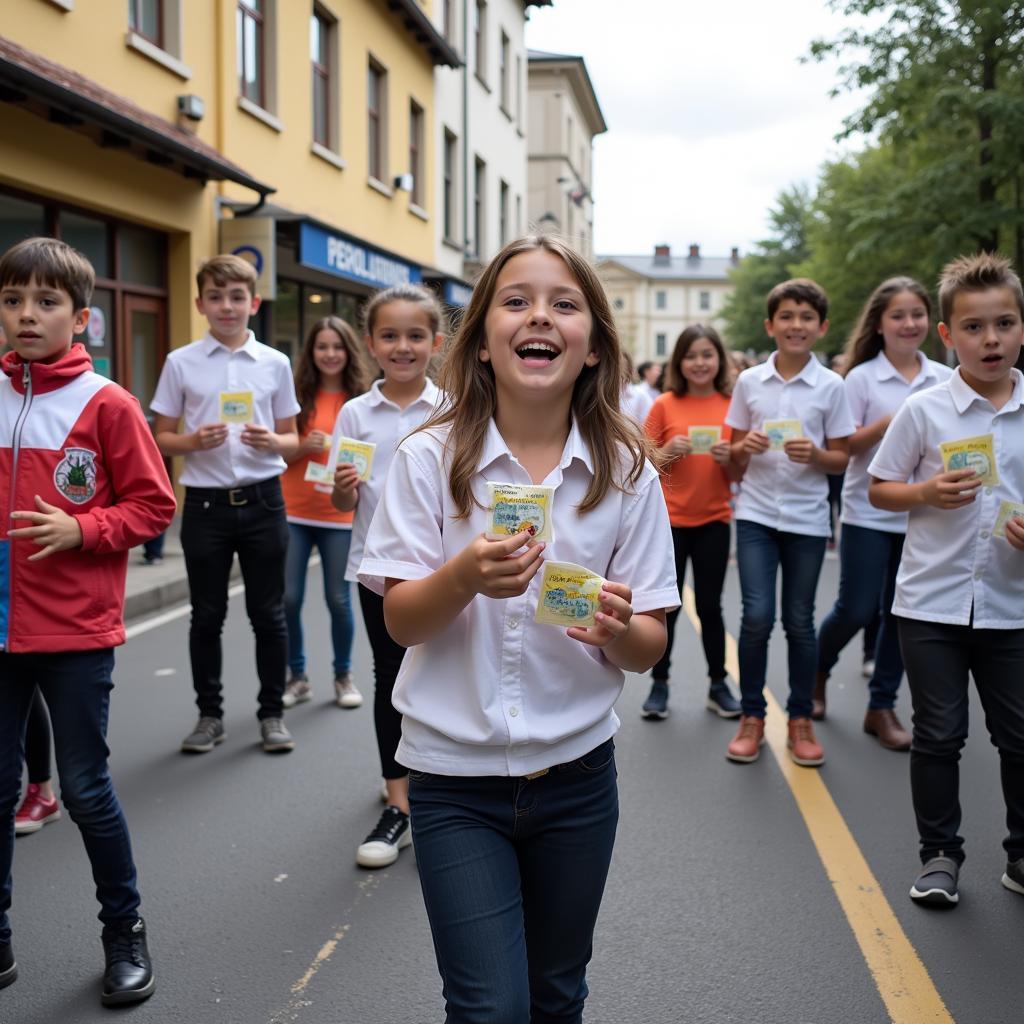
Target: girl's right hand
[
  {"x": 212, "y": 435},
  {"x": 491, "y": 568},
  {"x": 677, "y": 447},
  {"x": 313, "y": 442},
  {"x": 756, "y": 443},
  {"x": 346, "y": 478}
]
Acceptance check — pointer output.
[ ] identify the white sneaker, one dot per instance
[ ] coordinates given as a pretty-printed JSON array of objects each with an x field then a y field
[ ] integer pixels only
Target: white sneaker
[
  {"x": 392, "y": 834},
  {"x": 298, "y": 691},
  {"x": 345, "y": 693},
  {"x": 867, "y": 669}
]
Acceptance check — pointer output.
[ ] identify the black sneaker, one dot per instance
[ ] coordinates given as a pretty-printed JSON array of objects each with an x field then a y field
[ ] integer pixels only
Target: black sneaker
[
  {"x": 656, "y": 705},
  {"x": 721, "y": 701},
  {"x": 128, "y": 977},
  {"x": 8, "y": 968},
  {"x": 937, "y": 882},
  {"x": 380, "y": 848},
  {"x": 1013, "y": 877},
  {"x": 205, "y": 736}
]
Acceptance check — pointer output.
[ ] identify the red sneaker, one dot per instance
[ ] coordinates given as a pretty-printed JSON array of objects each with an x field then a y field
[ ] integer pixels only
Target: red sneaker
[
  {"x": 804, "y": 749},
  {"x": 746, "y": 744},
  {"x": 35, "y": 812}
]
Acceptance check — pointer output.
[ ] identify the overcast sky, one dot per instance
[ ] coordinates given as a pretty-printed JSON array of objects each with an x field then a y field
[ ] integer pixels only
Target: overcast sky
[{"x": 710, "y": 112}]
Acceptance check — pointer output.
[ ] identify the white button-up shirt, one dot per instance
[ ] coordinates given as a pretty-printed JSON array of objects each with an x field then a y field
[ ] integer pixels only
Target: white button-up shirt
[
  {"x": 952, "y": 563},
  {"x": 776, "y": 491},
  {"x": 189, "y": 387},
  {"x": 496, "y": 693},
  {"x": 372, "y": 417},
  {"x": 875, "y": 389}
]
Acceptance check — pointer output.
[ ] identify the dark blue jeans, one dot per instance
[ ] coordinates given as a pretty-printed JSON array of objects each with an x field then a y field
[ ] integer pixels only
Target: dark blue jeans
[
  {"x": 513, "y": 871},
  {"x": 333, "y": 546},
  {"x": 76, "y": 686},
  {"x": 940, "y": 660},
  {"x": 868, "y": 563},
  {"x": 760, "y": 552}
]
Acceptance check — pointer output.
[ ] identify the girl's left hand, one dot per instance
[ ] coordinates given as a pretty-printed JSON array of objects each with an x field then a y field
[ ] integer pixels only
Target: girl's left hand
[
  {"x": 612, "y": 619},
  {"x": 1015, "y": 532},
  {"x": 721, "y": 452},
  {"x": 257, "y": 436}
]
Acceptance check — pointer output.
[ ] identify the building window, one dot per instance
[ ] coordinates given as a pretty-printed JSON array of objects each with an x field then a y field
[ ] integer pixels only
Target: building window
[
  {"x": 503, "y": 73},
  {"x": 451, "y": 150},
  {"x": 502, "y": 213},
  {"x": 705, "y": 300},
  {"x": 376, "y": 92},
  {"x": 619, "y": 304},
  {"x": 519, "y": 215},
  {"x": 480, "y": 38},
  {"x": 146, "y": 17},
  {"x": 251, "y": 29},
  {"x": 416, "y": 151},
  {"x": 321, "y": 47},
  {"x": 659, "y": 344},
  {"x": 479, "y": 182},
  {"x": 519, "y": 92},
  {"x": 448, "y": 20},
  {"x": 660, "y": 300}
]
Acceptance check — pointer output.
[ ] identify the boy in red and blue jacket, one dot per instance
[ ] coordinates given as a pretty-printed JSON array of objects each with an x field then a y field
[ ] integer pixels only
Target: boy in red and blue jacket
[{"x": 81, "y": 481}]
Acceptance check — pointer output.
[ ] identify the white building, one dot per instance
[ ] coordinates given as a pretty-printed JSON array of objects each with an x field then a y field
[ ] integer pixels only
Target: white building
[
  {"x": 564, "y": 118},
  {"x": 480, "y": 124},
  {"x": 655, "y": 297}
]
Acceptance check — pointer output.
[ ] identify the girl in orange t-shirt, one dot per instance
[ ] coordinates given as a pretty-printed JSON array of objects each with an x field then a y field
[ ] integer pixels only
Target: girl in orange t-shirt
[
  {"x": 330, "y": 370},
  {"x": 697, "y": 493}
]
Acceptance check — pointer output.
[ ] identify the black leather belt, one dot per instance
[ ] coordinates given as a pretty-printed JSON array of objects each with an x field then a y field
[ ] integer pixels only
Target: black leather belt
[{"x": 237, "y": 497}]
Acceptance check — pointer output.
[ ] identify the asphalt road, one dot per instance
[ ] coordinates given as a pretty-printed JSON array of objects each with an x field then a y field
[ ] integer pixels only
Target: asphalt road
[{"x": 718, "y": 909}]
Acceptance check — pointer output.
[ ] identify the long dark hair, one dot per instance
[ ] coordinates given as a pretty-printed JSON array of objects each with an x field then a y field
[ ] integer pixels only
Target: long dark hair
[
  {"x": 866, "y": 341},
  {"x": 355, "y": 377},
  {"x": 674, "y": 379}
]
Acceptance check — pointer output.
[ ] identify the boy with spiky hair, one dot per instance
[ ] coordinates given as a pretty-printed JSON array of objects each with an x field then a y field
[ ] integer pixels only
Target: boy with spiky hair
[
  {"x": 80, "y": 469},
  {"x": 952, "y": 457}
]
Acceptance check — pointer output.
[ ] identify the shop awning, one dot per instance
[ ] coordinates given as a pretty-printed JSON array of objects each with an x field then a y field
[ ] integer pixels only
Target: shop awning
[{"x": 67, "y": 98}]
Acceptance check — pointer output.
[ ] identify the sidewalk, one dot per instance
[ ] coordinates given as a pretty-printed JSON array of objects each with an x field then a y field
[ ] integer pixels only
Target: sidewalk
[{"x": 150, "y": 588}]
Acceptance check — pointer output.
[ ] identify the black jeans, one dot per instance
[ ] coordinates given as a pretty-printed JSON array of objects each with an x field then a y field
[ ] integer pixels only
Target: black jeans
[
  {"x": 707, "y": 548},
  {"x": 37, "y": 740},
  {"x": 387, "y": 660},
  {"x": 938, "y": 659},
  {"x": 212, "y": 531}
]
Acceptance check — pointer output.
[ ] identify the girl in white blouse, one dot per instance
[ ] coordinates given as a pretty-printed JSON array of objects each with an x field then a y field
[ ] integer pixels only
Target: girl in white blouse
[{"x": 508, "y": 724}]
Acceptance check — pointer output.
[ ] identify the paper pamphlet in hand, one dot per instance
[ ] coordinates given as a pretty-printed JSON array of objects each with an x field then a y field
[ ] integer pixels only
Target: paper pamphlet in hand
[
  {"x": 236, "y": 407},
  {"x": 703, "y": 439},
  {"x": 326, "y": 443},
  {"x": 977, "y": 453},
  {"x": 318, "y": 473},
  {"x": 358, "y": 453},
  {"x": 568, "y": 595},
  {"x": 518, "y": 507},
  {"x": 781, "y": 431},
  {"x": 1008, "y": 510}
]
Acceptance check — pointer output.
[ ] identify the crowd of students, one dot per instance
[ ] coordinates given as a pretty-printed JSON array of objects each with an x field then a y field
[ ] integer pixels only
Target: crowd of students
[{"x": 483, "y": 714}]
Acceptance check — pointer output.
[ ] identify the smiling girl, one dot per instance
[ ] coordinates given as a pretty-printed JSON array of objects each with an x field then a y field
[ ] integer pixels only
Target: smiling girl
[
  {"x": 508, "y": 724},
  {"x": 885, "y": 366},
  {"x": 696, "y": 486}
]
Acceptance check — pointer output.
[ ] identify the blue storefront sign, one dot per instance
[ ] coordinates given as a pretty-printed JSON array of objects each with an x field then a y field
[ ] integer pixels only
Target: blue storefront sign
[
  {"x": 456, "y": 293},
  {"x": 342, "y": 257}
]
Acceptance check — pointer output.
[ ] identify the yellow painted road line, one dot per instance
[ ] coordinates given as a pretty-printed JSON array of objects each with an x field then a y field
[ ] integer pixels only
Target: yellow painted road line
[{"x": 901, "y": 978}]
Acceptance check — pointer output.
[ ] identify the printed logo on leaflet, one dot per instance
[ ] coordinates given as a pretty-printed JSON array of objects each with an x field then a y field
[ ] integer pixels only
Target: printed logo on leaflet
[{"x": 75, "y": 476}]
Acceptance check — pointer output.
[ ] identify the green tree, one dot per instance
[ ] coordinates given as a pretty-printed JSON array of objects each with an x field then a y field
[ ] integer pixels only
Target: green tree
[
  {"x": 771, "y": 262},
  {"x": 945, "y": 80}
]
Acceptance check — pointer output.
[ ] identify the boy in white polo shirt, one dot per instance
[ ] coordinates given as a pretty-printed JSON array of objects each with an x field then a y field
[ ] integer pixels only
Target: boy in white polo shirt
[
  {"x": 790, "y": 421},
  {"x": 960, "y": 588},
  {"x": 235, "y": 399}
]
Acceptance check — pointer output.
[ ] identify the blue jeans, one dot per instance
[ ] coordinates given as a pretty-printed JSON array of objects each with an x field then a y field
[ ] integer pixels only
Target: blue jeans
[
  {"x": 513, "y": 871},
  {"x": 760, "y": 551},
  {"x": 333, "y": 546},
  {"x": 76, "y": 686},
  {"x": 868, "y": 562}
]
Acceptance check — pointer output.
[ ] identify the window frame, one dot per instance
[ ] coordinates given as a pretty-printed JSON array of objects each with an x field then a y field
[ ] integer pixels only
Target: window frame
[
  {"x": 480, "y": 41},
  {"x": 323, "y": 71},
  {"x": 449, "y": 194},
  {"x": 479, "y": 211},
  {"x": 503, "y": 211},
  {"x": 244, "y": 12},
  {"x": 417, "y": 163},
  {"x": 704, "y": 301},
  {"x": 134, "y": 8},
  {"x": 661, "y": 299},
  {"x": 377, "y": 133},
  {"x": 504, "y": 62}
]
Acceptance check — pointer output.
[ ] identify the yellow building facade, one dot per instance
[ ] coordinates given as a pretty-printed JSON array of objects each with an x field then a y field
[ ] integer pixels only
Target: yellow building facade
[{"x": 153, "y": 134}]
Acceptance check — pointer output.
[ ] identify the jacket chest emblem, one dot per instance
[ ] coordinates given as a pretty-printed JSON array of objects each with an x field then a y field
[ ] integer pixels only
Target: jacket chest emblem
[{"x": 75, "y": 475}]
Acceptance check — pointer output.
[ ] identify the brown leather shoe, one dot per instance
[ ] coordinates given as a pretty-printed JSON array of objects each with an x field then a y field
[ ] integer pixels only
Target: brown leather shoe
[
  {"x": 818, "y": 697},
  {"x": 804, "y": 748},
  {"x": 883, "y": 723},
  {"x": 746, "y": 744}
]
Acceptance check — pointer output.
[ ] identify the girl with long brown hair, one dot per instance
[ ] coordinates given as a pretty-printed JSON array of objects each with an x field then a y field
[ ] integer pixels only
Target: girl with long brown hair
[
  {"x": 507, "y": 722},
  {"x": 330, "y": 370}
]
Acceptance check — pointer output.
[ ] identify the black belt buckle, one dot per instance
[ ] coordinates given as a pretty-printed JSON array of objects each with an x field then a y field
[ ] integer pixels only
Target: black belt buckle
[{"x": 237, "y": 497}]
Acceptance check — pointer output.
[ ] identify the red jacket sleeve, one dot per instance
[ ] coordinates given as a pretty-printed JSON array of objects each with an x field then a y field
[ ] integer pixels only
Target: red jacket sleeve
[{"x": 143, "y": 503}]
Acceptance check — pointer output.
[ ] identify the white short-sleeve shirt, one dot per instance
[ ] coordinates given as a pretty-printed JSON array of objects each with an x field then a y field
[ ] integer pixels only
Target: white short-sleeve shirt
[
  {"x": 875, "y": 389},
  {"x": 496, "y": 693},
  {"x": 952, "y": 562},
  {"x": 372, "y": 417},
  {"x": 189, "y": 388},
  {"x": 776, "y": 491}
]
